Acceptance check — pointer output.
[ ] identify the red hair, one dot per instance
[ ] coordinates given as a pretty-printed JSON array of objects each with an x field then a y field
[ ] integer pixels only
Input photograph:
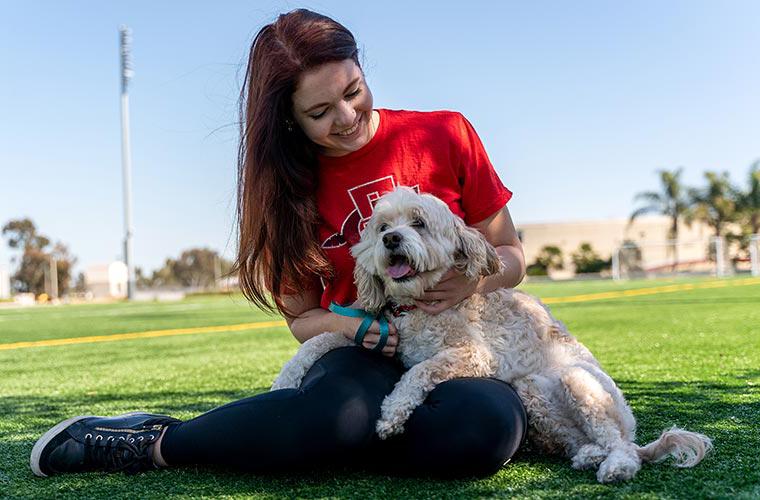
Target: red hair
[{"x": 277, "y": 219}]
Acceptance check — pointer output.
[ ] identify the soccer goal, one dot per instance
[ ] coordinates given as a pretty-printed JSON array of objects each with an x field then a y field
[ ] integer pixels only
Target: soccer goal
[
  {"x": 648, "y": 259},
  {"x": 754, "y": 254}
]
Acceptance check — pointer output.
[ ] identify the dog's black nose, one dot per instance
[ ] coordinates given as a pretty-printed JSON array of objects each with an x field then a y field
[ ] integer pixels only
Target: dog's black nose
[{"x": 391, "y": 240}]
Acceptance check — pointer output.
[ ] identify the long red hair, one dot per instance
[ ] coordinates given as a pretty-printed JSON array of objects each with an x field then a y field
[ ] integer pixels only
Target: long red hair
[{"x": 278, "y": 248}]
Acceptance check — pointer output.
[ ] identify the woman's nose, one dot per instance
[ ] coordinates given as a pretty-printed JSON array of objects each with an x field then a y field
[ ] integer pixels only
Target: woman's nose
[{"x": 346, "y": 115}]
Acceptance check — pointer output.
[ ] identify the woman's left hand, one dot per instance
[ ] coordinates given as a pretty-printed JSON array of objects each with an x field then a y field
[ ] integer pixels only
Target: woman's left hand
[{"x": 453, "y": 288}]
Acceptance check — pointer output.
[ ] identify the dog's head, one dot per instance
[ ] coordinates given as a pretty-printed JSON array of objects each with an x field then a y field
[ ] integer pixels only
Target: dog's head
[{"x": 410, "y": 241}]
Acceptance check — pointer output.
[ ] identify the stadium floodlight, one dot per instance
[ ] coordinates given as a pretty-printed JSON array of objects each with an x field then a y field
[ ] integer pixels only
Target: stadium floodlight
[{"x": 125, "y": 39}]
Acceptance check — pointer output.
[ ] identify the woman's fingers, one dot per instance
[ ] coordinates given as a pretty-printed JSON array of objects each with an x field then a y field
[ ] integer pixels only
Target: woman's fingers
[
  {"x": 372, "y": 339},
  {"x": 388, "y": 350},
  {"x": 430, "y": 295}
]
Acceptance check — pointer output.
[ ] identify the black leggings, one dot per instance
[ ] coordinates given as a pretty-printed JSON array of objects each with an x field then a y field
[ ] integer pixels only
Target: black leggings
[{"x": 466, "y": 427}]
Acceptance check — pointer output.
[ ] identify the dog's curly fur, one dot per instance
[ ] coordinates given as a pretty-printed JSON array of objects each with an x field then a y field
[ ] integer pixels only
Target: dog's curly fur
[{"x": 574, "y": 408}]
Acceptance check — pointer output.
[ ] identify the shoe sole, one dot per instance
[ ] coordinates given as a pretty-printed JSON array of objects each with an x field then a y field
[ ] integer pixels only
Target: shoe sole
[{"x": 34, "y": 459}]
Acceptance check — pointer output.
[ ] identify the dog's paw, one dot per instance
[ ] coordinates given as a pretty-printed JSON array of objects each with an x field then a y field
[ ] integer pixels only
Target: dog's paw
[
  {"x": 618, "y": 466},
  {"x": 589, "y": 456},
  {"x": 388, "y": 428}
]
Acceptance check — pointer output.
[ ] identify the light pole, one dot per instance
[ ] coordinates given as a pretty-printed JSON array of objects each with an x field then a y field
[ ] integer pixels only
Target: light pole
[{"x": 125, "y": 38}]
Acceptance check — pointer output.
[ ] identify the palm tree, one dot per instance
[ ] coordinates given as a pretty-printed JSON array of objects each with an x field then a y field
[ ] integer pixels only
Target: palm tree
[
  {"x": 715, "y": 204},
  {"x": 749, "y": 201},
  {"x": 671, "y": 201},
  {"x": 748, "y": 209}
]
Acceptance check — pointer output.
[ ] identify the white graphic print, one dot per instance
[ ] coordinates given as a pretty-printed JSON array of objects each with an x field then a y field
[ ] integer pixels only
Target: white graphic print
[{"x": 364, "y": 196}]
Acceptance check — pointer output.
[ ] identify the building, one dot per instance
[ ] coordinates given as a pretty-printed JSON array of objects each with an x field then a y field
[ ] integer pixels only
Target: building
[
  {"x": 107, "y": 281},
  {"x": 5, "y": 282},
  {"x": 649, "y": 234}
]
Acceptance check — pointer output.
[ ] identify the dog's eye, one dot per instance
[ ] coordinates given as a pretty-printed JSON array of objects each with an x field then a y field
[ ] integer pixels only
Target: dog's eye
[
  {"x": 382, "y": 227},
  {"x": 418, "y": 223}
]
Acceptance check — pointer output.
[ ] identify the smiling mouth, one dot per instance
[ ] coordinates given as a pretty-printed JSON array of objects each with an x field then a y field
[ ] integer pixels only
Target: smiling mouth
[
  {"x": 351, "y": 130},
  {"x": 399, "y": 268}
]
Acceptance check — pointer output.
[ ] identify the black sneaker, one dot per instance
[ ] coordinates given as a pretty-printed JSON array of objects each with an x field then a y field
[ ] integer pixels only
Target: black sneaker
[{"x": 109, "y": 444}]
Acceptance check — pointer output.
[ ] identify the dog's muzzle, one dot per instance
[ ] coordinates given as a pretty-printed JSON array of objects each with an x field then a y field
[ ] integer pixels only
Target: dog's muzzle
[
  {"x": 399, "y": 267},
  {"x": 392, "y": 240}
]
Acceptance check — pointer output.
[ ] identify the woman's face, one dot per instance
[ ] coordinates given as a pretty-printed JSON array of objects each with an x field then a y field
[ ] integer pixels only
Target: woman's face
[{"x": 333, "y": 106}]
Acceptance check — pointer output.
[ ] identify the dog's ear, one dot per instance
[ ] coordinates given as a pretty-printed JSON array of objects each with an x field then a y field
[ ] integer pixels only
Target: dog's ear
[
  {"x": 369, "y": 286},
  {"x": 370, "y": 289},
  {"x": 475, "y": 257}
]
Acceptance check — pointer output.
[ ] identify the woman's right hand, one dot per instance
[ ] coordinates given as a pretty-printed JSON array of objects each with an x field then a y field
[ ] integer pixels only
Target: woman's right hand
[{"x": 349, "y": 326}]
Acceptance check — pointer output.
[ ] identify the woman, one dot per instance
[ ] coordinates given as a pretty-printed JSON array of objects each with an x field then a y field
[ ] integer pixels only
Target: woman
[{"x": 314, "y": 153}]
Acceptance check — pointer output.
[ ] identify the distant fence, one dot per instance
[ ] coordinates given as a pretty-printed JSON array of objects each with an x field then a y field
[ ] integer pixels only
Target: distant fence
[{"x": 713, "y": 256}]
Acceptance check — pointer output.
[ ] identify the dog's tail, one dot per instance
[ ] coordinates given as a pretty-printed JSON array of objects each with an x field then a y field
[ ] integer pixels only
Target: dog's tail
[{"x": 688, "y": 448}]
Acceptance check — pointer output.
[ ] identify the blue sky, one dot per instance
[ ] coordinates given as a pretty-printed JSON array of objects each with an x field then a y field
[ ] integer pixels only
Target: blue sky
[{"x": 577, "y": 103}]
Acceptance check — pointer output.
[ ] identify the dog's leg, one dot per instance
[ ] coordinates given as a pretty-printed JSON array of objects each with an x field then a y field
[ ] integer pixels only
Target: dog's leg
[
  {"x": 596, "y": 411},
  {"x": 310, "y": 351},
  {"x": 550, "y": 430},
  {"x": 414, "y": 386},
  {"x": 623, "y": 412},
  {"x": 589, "y": 456}
]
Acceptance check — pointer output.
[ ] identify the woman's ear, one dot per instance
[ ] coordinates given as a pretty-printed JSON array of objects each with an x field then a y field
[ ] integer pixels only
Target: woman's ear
[{"x": 475, "y": 257}]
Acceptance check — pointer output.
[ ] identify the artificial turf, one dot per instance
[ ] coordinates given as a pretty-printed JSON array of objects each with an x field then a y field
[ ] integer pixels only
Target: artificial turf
[{"x": 689, "y": 358}]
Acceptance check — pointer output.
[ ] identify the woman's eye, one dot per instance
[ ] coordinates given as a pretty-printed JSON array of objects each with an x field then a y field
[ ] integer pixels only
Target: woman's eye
[
  {"x": 354, "y": 93},
  {"x": 418, "y": 223},
  {"x": 320, "y": 115},
  {"x": 383, "y": 227}
]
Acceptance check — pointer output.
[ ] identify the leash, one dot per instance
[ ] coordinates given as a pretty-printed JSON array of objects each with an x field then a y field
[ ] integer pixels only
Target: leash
[{"x": 368, "y": 319}]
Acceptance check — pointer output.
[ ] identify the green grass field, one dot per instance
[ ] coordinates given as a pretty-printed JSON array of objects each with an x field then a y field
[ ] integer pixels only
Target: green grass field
[{"x": 690, "y": 358}]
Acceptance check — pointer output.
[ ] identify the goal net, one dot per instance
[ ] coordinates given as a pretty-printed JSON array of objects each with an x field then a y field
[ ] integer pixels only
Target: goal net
[{"x": 647, "y": 259}]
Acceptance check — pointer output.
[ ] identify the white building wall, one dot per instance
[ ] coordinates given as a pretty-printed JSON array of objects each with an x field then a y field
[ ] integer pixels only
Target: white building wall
[
  {"x": 5, "y": 282},
  {"x": 107, "y": 280},
  {"x": 606, "y": 236}
]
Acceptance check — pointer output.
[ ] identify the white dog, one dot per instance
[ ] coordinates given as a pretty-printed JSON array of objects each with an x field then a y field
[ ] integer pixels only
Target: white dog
[{"x": 574, "y": 408}]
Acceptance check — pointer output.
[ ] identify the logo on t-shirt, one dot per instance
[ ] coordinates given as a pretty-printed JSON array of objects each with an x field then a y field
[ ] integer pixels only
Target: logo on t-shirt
[{"x": 364, "y": 196}]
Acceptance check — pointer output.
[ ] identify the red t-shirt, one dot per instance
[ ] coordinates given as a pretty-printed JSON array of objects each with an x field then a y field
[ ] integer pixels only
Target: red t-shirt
[{"x": 436, "y": 152}]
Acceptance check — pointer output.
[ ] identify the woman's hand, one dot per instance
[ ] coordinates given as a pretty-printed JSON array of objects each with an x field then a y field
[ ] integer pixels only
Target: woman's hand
[
  {"x": 350, "y": 325},
  {"x": 453, "y": 288}
]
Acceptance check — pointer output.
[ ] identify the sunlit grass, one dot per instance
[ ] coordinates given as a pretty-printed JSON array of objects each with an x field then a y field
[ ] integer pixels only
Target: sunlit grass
[{"x": 689, "y": 358}]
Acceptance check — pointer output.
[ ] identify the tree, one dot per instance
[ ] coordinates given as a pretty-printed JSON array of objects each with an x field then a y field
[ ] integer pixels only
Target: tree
[
  {"x": 586, "y": 260},
  {"x": 671, "y": 201},
  {"x": 715, "y": 204},
  {"x": 33, "y": 274},
  {"x": 22, "y": 234},
  {"x": 747, "y": 212},
  {"x": 195, "y": 267},
  {"x": 550, "y": 257},
  {"x": 748, "y": 203},
  {"x": 80, "y": 284}
]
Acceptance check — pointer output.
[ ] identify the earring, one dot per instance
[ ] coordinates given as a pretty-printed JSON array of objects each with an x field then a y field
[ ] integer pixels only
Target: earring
[{"x": 289, "y": 125}]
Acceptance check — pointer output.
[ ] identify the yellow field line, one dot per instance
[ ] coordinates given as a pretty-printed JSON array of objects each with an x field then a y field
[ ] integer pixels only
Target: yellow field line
[
  {"x": 650, "y": 291},
  {"x": 143, "y": 335},
  {"x": 272, "y": 324}
]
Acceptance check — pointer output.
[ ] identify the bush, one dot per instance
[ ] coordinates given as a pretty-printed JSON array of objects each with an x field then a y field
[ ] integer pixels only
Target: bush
[{"x": 586, "y": 260}]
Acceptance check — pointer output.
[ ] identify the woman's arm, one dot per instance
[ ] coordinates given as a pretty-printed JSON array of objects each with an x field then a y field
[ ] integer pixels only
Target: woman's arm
[
  {"x": 500, "y": 232},
  {"x": 310, "y": 320},
  {"x": 454, "y": 287}
]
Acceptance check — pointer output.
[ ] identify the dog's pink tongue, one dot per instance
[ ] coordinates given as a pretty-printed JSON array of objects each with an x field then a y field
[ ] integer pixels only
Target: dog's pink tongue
[{"x": 399, "y": 270}]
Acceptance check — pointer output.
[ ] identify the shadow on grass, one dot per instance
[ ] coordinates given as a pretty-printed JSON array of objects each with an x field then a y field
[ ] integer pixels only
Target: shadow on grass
[
  {"x": 727, "y": 412},
  {"x": 54, "y": 408}
]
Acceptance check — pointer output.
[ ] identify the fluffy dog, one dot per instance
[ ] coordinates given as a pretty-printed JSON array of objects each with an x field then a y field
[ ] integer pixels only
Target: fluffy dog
[{"x": 574, "y": 408}]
